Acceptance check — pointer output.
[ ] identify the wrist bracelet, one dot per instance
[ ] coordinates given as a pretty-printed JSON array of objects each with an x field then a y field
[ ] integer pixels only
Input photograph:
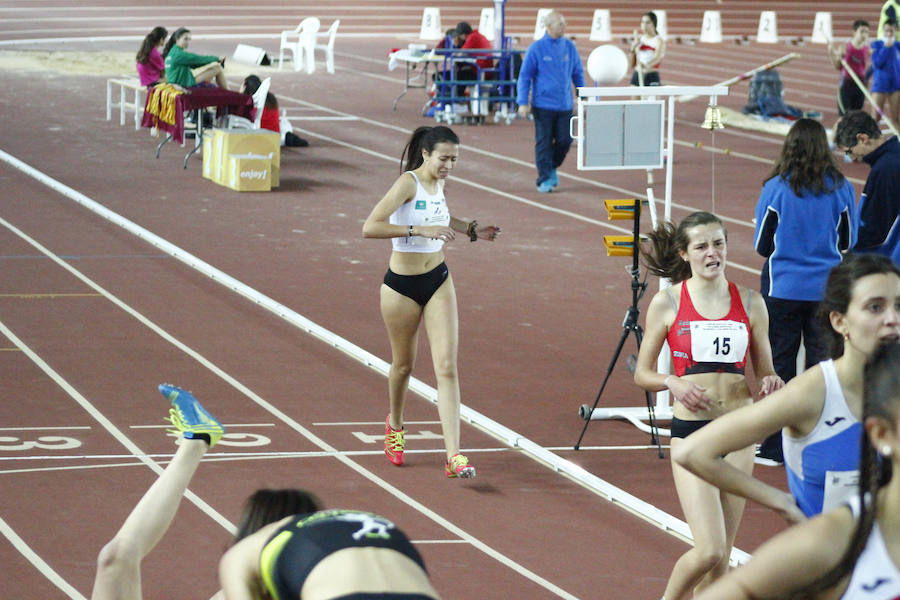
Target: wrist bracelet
[
  {"x": 409, "y": 231},
  {"x": 471, "y": 230},
  {"x": 666, "y": 381}
]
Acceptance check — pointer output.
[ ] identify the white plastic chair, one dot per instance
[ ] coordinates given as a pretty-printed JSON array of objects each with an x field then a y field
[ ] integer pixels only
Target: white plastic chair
[
  {"x": 328, "y": 46},
  {"x": 301, "y": 42},
  {"x": 259, "y": 103}
]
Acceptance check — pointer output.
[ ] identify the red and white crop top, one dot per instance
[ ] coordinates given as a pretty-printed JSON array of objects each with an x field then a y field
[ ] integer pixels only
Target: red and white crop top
[{"x": 701, "y": 345}]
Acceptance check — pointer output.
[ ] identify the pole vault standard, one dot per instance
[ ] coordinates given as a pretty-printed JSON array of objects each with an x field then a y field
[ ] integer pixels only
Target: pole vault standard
[
  {"x": 633, "y": 135},
  {"x": 748, "y": 74}
]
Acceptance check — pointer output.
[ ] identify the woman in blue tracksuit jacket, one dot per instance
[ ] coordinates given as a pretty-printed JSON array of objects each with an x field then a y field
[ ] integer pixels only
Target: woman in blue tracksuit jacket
[{"x": 805, "y": 220}]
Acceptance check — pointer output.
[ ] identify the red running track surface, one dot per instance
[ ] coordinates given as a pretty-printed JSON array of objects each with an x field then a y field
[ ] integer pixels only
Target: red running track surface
[{"x": 94, "y": 318}]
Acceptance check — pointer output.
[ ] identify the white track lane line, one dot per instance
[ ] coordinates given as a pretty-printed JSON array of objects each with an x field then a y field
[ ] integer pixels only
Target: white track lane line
[
  {"x": 272, "y": 409},
  {"x": 640, "y": 508},
  {"x": 46, "y": 570}
]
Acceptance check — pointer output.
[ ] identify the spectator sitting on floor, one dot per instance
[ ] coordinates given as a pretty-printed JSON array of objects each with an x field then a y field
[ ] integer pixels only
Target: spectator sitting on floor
[
  {"x": 150, "y": 65},
  {"x": 271, "y": 120},
  {"x": 187, "y": 69}
]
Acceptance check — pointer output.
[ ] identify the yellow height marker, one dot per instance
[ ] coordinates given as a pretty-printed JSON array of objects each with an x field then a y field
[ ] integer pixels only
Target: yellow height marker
[
  {"x": 619, "y": 245},
  {"x": 620, "y": 209}
]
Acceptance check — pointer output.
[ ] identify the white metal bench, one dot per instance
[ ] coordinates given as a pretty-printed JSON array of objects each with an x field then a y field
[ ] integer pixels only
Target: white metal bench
[{"x": 136, "y": 105}]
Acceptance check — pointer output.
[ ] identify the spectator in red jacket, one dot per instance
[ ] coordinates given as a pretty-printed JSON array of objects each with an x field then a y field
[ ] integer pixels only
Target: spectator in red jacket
[
  {"x": 271, "y": 120},
  {"x": 468, "y": 38}
]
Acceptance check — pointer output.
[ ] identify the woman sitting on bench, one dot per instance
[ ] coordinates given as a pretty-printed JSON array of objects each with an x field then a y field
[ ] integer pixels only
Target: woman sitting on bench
[
  {"x": 187, "y": 69},
  {"x": 150, "y": 66}
]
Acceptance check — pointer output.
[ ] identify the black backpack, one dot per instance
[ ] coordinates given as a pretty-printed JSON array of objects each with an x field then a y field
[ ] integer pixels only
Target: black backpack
[{"x": 767, "y": 96}]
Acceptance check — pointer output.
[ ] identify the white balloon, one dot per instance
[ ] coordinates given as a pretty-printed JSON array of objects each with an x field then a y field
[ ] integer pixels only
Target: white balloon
[{"x": 607, "y": 64}]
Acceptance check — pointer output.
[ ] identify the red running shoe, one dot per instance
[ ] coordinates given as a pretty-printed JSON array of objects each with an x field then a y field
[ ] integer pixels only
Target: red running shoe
[
  {"x": 458, "y": 466},
  {"x": 393, "y": 442}
]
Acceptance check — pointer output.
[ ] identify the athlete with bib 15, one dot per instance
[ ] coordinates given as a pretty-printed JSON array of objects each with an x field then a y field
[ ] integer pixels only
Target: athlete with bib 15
[{"x": 711, "y": 325}]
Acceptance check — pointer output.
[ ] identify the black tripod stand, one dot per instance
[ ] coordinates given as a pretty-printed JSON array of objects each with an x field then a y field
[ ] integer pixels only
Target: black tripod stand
[{"x": 629, "y": 325}]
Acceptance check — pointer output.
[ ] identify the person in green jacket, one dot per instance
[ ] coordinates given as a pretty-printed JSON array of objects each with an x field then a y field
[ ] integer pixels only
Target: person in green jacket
[{"x": 187, "y": 69}]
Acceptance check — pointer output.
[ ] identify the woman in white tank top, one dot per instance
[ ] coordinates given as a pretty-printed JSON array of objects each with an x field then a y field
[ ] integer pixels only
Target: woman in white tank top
[
  {"x": 418, "y": 286},
  {"x": 851, "y": 552}
]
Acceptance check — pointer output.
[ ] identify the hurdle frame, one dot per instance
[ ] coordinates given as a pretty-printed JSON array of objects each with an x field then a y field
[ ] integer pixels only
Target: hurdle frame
[{"x": 588, "y": 96}]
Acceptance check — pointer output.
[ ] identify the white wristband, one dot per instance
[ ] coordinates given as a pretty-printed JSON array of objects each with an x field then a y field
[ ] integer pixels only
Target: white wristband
[{"x": 666, "y": 380}]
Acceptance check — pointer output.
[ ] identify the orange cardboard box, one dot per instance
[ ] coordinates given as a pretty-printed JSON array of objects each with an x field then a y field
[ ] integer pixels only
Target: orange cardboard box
[
  {"x": 228, "y": 142},
  {"x": 249, "y": 173}
]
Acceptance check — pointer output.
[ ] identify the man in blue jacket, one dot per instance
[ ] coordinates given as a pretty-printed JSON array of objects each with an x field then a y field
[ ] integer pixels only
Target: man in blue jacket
[
  {"x": 549, "y": 69},
  {"x": 858, "y": 135}
]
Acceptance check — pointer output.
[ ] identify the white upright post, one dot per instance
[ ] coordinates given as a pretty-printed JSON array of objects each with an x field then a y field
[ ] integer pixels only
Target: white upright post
[
  {"x": 499, "y": 23},
  {"x": 670, "y": 159}
]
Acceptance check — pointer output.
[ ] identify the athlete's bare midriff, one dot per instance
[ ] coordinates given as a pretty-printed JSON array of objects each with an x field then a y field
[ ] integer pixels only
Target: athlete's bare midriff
[
  {"x": 414, "y": 263},
  {"x": 728, "y": 391}
]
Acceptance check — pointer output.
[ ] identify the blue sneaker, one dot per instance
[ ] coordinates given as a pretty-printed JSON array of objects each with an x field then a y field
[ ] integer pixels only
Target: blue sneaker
[
  {"x": 190, "y": 418},
  {"x": 553, "y": 179},
  {"x": 544, "y": 187}
]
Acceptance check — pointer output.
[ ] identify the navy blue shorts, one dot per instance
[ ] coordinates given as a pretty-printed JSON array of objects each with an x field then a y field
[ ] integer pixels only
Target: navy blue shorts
[
  {"x": 681, "y": 428},
  {"x": 651, "y": 78},
  {"x": 418, "y": 287}
]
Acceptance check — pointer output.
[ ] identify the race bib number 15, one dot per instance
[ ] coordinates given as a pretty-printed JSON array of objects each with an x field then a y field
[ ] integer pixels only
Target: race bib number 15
[{"x": 718, "y": 341}]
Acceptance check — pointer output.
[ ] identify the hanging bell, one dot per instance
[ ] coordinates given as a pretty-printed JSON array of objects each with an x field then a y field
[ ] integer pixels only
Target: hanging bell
[{"x": 713, "y": 118}]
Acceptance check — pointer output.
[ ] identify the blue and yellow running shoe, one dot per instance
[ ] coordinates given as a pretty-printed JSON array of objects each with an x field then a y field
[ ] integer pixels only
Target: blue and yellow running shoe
[{"x": 190, "y": 418}]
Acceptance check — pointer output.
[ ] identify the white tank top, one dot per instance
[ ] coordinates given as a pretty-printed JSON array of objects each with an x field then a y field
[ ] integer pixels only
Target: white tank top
[
  {"x": 423, "y": 209},
  {"x": 823, "y": 467},
  {"x": 647, "y": 49},
  {"x": 875, "y": 576}
]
